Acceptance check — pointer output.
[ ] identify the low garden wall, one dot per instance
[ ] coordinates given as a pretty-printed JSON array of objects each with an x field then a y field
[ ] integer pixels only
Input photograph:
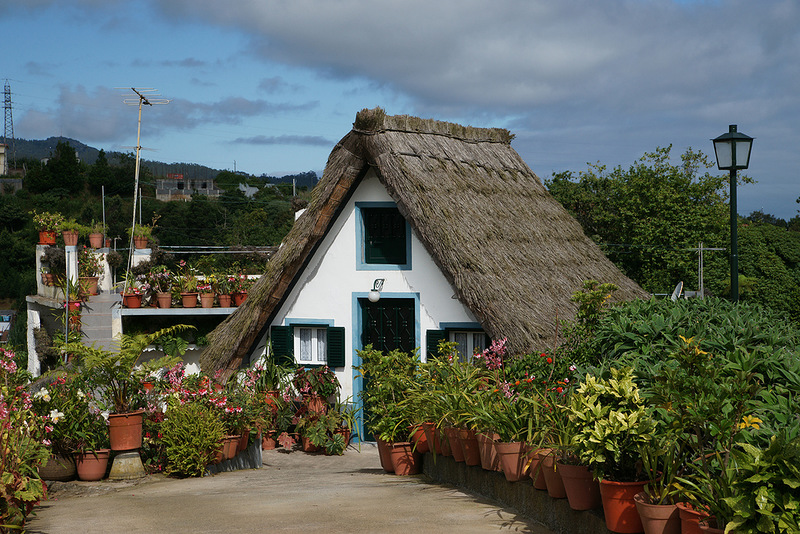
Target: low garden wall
[
  {"x": 250, "y": 458},
  {"x": 555, "y": 514}
]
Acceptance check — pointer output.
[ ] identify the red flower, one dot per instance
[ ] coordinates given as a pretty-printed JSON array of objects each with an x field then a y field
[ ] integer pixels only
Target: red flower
[{"x": 549, "y": 360}]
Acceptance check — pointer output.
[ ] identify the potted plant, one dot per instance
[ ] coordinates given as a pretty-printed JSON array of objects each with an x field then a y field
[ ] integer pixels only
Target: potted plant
[
  {"x": 95, "y": 232},
  {"x": 119, "y": 375},
  {"x": 186, "y": 284},
  {"x": 92, "y": 444},
  {"x": 241, "y": 286},
  {"x": 160, "y": 280},
  {"x": 317, "y": 385},
  {"x": 48, "y": 224},
  {"x": 141, "y": 234},
  {"x": 70, "y": 230},
  {"x": 90, "y": 269},
  {"x": 612, "y": 424}
]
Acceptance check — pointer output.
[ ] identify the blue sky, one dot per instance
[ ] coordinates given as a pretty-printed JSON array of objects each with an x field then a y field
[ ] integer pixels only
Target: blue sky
[{"x": 270, "y": 85}]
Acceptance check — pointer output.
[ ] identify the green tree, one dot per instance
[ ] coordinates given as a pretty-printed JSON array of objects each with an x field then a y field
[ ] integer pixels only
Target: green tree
[{"x": 650, "y": 217}]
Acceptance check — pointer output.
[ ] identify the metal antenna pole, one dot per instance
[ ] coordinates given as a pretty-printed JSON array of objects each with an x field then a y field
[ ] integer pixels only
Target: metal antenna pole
[{"x": 138, "y": 99}]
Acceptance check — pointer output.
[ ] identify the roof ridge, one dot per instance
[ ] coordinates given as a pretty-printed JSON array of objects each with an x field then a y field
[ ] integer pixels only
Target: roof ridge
[{"x": 372, "y": 121}]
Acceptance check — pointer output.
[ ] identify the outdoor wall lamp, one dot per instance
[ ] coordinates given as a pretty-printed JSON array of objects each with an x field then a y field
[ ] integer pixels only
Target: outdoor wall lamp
[
  {"x": 375, "y": 292},
  {"x": 733, "y": 152}
]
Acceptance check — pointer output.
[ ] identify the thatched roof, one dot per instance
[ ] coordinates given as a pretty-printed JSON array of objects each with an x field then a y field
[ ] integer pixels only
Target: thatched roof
[{"x": 512, "y": 253}]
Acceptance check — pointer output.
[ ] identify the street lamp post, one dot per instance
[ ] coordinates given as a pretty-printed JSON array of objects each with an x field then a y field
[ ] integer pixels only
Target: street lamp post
[{"x": 733, "y": 153}]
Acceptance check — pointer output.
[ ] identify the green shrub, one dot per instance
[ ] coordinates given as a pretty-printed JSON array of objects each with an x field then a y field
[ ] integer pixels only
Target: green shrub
[{"x": 191, "y": 434}]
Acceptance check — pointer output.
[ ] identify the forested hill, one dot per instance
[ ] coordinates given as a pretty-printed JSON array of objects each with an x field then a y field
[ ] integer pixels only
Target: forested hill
[{"x": 36, "y": 149}]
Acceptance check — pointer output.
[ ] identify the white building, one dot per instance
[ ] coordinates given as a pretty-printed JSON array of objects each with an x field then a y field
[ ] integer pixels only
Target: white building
[{"x": 466, "y": 240}]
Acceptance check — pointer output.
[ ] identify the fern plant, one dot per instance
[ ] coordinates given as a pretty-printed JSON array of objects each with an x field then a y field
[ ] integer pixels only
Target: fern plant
[{"x": 191, "y": 434}]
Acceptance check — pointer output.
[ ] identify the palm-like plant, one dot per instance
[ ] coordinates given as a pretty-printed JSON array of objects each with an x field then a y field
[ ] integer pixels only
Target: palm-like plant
[{"x": 120, "y": 373}]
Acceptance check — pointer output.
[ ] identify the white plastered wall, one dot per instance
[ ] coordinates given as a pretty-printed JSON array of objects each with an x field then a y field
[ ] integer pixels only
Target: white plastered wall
[{"x": 326, "y": 288}]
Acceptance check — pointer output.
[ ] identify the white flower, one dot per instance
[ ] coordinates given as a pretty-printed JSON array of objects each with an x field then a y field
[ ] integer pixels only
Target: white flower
[
  {"x": 42, "y": 394},
  {"x": 105, "y": 413},
  {"x": 55, "y": 415},
  {"x": 81, "y": 394},
  {"x": 192, "y": 369}
]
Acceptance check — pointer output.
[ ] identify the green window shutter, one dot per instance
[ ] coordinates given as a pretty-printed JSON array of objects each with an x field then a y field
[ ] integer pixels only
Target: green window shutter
[
  {"x": 433, "y": 337},
  {"x": 384, "y": 236},
  {"x": 282, "y": 338},
  {"x": 335, "y": 346}
]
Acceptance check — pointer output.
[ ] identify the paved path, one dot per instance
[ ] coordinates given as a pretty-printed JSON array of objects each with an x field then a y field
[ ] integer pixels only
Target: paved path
[{"x": 294, "y": 492}]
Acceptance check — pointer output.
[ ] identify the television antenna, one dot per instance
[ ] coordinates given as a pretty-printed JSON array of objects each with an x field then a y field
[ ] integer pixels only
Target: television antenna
[
  {"x": 676, "y": 294},
  {"x": 143, "y": 96}
]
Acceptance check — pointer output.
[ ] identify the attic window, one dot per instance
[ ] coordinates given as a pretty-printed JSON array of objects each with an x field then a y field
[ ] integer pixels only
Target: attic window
[{"x": 385, "y": 236}]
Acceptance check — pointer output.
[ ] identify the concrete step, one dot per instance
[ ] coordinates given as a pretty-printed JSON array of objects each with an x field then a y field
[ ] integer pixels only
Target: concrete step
[{"x": 96, "y": 318}]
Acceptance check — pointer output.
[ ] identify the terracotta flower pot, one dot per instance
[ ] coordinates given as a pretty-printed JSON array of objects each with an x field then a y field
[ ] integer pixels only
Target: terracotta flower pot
[
  {"x": 385, "y": 454},
  {"x": 132, "y": 301},
  {"x": 690, "y": 518},
  {"x": 451, "y": 434},
  {"x": 315, "y": 404},
  {"x": 444, "y": 444},
  {"x": 420, "y": 440},
  {"x": 47, "y": 237},
  {"x": 189, "y": 300},
  {"x": 469, "y": 446},
  {"x": 244, "y": 439},
  {"x": 207, "y": 300},
  {"x": 535, "y": 470},
  {"x": 268, "y": 442},
  {"x": 125, "y": 430},
  {"x": 70, "y": 237},
  {"x": 92, "y": 466},
  {"x": 619, "y": 506},
  {"x": 231, "y": 444},
  {"x": 308, "y": 446},
  {"x": 96, "y": 240},
  {"x": 583, "y": 491},
  {"x": 239, "y": 298},
  {"x": 404, "y": 459},
  {"x": 219, "y": 452},
  {"x": 140, "y": 242},
  {"x": 89, "y": 284},
  {"x": 489, "y": 458},
  {"x": 552, "y": 476},
  {"x": 657, "y": 518},
  {"x": 224, "y": 300},
  {"x": 512, "y": 459},
  {"x": 432, "y": 437},
  {"x": 164, "y": 299}
]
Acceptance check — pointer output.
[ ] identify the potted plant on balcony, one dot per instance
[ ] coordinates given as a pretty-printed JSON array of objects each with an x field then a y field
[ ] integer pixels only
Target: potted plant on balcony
[
  {"x": 240, "y": 288},
  {"x": 159, "y": 280},
  {"x": 119, "y": 375},
  {"x": 70, "y": 230},
  {"x": 48, "y": 225},
  {"x": 224, "y": 287},
  {"x": 206, "y": 290},
  {"x": 95, "y": 233},
  {"x": 89, "y": 270},
  {"x": 142, "y": 233},
  {"x": 186, "y": 283}
]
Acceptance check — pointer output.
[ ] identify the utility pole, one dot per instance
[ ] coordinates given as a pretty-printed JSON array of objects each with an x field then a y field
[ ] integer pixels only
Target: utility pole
[
  {"x": 8, "y": 132},
  {"x": 139, "y": 99}
]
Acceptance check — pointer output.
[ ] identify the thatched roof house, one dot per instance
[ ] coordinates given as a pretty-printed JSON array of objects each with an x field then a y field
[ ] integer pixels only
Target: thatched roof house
[{"x": 509, "y": 252}]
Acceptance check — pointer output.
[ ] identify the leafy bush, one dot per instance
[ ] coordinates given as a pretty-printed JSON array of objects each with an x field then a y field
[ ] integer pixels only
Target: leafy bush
[
  {"x": 191, "y": 434},
  {"x": 766, "y": 487},
  {"x": 21, "y": 447}
]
